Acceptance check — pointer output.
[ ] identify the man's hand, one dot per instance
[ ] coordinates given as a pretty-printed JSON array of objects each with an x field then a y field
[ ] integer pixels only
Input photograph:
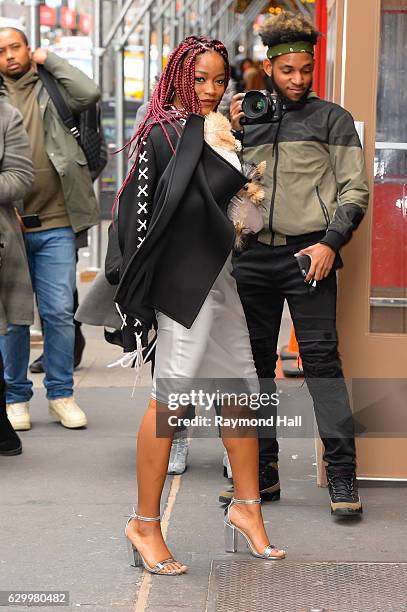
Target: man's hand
[
  {"x": 39, "y": 56},
  {"x": 236, "y": 111},
  {"x": 322, "y": 259}
]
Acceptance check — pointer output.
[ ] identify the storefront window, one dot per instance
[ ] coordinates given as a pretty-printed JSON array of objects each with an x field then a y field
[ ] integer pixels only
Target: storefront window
[{"x": 388, "y": 299}]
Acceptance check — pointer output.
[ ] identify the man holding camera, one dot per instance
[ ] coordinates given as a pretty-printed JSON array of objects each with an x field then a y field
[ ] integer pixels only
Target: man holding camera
[{"x": 316, "y": 195}]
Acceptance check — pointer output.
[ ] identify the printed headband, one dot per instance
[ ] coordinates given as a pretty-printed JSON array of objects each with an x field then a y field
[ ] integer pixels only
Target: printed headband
[{"x": 293, "y": 47}]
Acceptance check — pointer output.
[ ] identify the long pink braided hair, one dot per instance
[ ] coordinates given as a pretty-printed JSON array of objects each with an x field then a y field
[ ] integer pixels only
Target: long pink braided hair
[{"x": 177, "y": 77}]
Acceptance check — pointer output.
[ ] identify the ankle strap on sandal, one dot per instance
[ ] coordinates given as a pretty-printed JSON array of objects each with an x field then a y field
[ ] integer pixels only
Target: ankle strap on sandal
[
  {"x": 146, "y": 519},
  {"x": 245, "y": 501}
]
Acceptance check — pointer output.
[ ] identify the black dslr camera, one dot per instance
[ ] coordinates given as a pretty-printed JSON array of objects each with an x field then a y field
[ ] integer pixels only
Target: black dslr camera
[{"x": 261, "y": 107}]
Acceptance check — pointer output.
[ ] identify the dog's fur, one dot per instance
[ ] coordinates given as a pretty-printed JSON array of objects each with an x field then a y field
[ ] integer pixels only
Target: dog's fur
[{"x": 217, "y": 131}]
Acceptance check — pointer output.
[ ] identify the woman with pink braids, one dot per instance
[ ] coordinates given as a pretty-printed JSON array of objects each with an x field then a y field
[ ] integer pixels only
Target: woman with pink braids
[{"x": 176, "y": 242}]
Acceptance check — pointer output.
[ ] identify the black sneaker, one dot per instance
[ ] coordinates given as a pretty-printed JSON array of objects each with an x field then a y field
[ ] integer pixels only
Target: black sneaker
[
  {"x": 345, "y": 501},
  {"x": 10, "y": 443},
  {"x": 79, "y": 346},
  {"x": 269, "y": 485},
  {"x": 36, "y": 366}
]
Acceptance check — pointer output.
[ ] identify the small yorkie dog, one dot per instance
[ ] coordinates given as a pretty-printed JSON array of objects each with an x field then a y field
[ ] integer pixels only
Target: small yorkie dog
[{"x": 245, "y": 208}]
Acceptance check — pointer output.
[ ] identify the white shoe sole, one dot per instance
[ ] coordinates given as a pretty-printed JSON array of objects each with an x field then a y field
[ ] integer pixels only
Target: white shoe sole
[
  {"x": 69, "y": 424},
  {"x": 176, "y": 471},
  {"x": 23, "y": 426}
]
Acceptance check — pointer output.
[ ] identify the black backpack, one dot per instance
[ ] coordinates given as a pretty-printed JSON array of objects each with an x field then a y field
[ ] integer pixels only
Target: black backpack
[{"x": 86, "y": 127}]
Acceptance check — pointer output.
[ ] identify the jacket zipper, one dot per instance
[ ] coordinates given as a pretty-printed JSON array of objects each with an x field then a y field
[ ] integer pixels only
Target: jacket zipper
[
  {"x": 273, "y": 195},
  {"x": 276, "y": 152},
  {"x": 323, "y": 207}
]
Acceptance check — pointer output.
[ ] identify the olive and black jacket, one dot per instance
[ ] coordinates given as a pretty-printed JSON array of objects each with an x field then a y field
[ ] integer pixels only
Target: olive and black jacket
[
  {"x": 315, "y": 177},
  {"x": 173, "y": 231}
]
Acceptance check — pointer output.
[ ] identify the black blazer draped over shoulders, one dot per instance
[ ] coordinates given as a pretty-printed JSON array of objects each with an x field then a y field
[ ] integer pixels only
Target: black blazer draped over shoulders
[{"x": 173, "y": 230}]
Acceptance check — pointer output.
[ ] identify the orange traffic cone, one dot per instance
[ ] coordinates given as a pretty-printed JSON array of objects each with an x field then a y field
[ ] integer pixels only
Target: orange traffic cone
[
  {"x": 291, "y": 360},
  {"x": 290, "y": 351}
]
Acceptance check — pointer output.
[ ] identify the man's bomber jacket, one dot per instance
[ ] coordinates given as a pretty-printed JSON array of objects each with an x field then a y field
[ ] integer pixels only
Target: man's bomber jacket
[{"x": 315, "y": 177}]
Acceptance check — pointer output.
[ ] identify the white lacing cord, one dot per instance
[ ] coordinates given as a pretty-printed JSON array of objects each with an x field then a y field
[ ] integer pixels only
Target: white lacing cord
[
  {"x": 121, "y": 315},
  {"x": 134, "y": 358},
  {"x": 152, "y": 347}
]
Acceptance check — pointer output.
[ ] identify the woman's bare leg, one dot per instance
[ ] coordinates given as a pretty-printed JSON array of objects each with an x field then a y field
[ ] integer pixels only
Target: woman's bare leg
[
  {"x": 152, "y": 462},
  {"x": 243, "y": 455}
]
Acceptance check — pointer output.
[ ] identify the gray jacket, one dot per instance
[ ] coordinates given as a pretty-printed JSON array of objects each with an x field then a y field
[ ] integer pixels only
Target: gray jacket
[
  {"x": 16, "y": 179},
  {"x": 63, "y": 150}
]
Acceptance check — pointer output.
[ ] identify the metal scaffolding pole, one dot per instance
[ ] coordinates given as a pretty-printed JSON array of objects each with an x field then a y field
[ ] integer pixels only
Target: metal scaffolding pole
[
  {"x": 246, "y": 19},
  {"x": 173, "y": 25},
  {"x": 197, "y": 24},
  {"x": 158, "y": 21},
  {"x": 221, "y": 12},
  {"x": 119, "y": 112},
  {"x": 187, "y": 21},
  {"x": 96, "y": 231},
  {"x": 181, "y": 26},
  {"x": 201, "y": 12},
  {"x": 163, "y": 6},
  {"x": 147, "y": 47},
  {"x": 118, "y": 22},
  {"x": 118, "y": 48},
  {"x": 34, "y": 34},
  {"x": 207, "y": 16},
  {"x": 183, "y": 20},
  {"x": 97, "y": 43},
  {"x": 160, "y": 38},
  {"x": 301, "y": 8}
]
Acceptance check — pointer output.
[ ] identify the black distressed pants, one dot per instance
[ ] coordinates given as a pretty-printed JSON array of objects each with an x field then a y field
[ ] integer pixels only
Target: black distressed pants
[{"x": 267, "y": 276}]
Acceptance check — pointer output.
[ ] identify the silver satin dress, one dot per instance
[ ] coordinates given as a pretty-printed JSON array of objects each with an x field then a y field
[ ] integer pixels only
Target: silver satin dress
[{"x": 216, "y": 347}]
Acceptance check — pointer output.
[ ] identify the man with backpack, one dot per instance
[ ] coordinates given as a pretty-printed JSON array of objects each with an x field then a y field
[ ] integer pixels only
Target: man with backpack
[{"x": 61, "y": 206}]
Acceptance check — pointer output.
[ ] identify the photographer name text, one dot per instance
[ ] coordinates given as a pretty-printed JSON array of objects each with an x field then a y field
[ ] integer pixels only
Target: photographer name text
[{"x": 234, "y": 423}]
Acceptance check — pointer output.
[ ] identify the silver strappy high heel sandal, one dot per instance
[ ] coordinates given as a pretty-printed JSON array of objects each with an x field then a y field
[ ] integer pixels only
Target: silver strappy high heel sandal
[
  {"x": 231, "y": 534},
  {"x": 137, "y": 560}
]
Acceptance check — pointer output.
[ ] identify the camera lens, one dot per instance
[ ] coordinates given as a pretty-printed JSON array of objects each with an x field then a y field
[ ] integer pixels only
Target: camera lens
[
  {"x": 258, "y": 106},
  {"x": 255, "y": 104}
]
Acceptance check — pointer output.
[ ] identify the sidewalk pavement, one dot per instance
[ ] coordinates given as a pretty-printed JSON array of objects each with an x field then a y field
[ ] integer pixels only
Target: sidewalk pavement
[{"x": 64, "y": 502}]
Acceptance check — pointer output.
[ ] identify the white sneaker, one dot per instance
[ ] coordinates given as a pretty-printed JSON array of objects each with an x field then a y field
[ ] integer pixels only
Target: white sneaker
[
  {"x": 67, "y": 411},
  {"x": 18, "y": 415},
  {"x": 179, "y": 453}
]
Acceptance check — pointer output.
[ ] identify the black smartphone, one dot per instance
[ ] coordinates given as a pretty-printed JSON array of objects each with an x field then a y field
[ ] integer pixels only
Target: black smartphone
[
  {"x": 304, "y": 264},
  {"x": 31, "y": 221}
]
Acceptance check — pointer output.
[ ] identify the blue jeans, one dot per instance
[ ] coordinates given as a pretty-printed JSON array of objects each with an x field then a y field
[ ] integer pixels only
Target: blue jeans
[{"x": 52, "y": 262}]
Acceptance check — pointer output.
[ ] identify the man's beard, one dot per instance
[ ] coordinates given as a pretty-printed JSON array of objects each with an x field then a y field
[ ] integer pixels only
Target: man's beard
[
  {"x": 291, "y": 104},
  {"x": 17, "y": 75}
]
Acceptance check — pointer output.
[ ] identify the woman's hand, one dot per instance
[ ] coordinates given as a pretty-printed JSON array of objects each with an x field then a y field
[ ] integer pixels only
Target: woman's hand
[{"x": 236, "y": 111}]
